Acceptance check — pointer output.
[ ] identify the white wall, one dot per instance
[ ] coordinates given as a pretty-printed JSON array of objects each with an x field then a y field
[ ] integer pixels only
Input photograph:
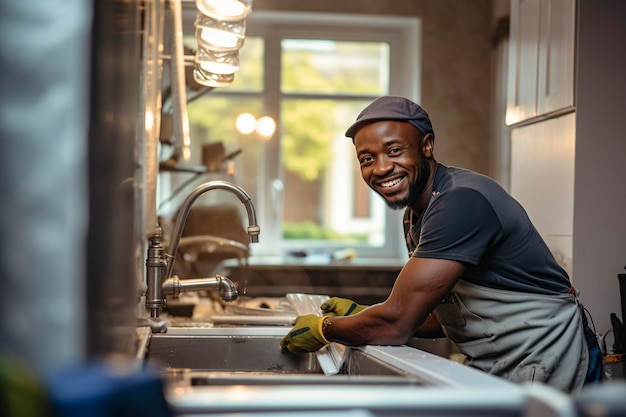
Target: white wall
[{"x": 600, "y": 176}]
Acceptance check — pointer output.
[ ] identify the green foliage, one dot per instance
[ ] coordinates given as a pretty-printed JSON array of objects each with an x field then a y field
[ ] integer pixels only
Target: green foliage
[
  {"x": 313, "y": 231},
  {"x": 306, "y": 137},
  {"x": 299, "y": 74}
]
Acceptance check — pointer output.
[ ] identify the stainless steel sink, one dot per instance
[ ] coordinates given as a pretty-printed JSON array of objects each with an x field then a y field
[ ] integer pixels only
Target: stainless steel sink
[
  {"x": 222, "y": 357},
  {"x": 226, "y": 352},
  {"x": 221, "y": 354},
  {"x": 243, "y": 371}
]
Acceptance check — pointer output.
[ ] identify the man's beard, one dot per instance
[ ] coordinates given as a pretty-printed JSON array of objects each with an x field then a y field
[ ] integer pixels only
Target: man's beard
[{"x": 415, "y": 188}]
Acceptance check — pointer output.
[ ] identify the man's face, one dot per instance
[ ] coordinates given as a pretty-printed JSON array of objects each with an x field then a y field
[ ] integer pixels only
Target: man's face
[{"x": 394, "y": 161}]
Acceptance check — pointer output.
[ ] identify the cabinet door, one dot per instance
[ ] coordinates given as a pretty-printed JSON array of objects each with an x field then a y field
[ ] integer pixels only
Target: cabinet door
[
  {"x": 523, "y": 60},
  {"x": 556, "y": 56}
]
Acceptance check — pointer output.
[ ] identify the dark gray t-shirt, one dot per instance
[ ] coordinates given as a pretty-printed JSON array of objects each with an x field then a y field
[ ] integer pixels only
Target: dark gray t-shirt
[{"x": 473, "y": 220}]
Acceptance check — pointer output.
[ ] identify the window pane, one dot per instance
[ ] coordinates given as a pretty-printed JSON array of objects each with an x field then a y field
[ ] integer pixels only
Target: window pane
[
  {"x": 212, "y": 125},
  {"x": 334, "y": 67},
  {"x": 325, "y": 199},
  {"x": 250, "y": 75}
]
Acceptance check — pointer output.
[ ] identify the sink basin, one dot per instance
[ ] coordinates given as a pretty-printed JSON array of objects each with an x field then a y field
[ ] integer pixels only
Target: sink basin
[
  {"x": 223, "y": 356},
  {"x": 226, "y": 352},
  {"x": 242, "y": 370},
  {"x": 251, "y": 355},
  {"x": 197, "y": 358}
]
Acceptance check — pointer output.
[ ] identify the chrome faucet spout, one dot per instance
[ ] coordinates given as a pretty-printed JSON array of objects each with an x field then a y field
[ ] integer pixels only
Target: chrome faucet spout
[
  {"x": 227, "y": 290},
  {"x": 177, "y": 231}
]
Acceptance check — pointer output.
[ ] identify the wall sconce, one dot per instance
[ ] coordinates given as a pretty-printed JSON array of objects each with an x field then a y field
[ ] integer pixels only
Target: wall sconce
[
  {"x": 227, "y": 10},
  {"x": 213, "y": 80},
  {"x": 246, "y": 123},
  {"x": 217, "y": 62},
  {"x": 265, "y": 126},
  {"x": 220, "y": 33}
]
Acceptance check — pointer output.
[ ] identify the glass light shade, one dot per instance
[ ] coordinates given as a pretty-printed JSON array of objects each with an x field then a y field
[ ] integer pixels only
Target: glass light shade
[
  {"x": 226, "y": 10},
  {"x": 218, "y": 35},
  {"x": 217, "y": 62},
  {"x": 210, "y": 79}
]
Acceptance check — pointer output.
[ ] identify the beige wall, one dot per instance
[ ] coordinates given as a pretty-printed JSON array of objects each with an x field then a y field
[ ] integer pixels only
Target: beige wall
[{"x": 456, "y": 71}]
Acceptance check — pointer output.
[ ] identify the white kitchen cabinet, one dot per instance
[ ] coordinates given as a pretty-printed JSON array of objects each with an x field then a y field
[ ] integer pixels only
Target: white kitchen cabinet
[
  {"x": 523, "y": 61},
  {"x": 541, "y": 58},
  {"x": 555, "y": 84}
]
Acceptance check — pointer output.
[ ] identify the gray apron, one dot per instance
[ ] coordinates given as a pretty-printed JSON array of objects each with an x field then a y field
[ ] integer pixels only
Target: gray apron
[{"x": 522, "y": 337}]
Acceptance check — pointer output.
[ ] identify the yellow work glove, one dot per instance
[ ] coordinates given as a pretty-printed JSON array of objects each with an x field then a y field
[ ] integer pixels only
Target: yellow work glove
[
  {"x": 306, "y": 335},
  {"x": 340, "y": 307}
]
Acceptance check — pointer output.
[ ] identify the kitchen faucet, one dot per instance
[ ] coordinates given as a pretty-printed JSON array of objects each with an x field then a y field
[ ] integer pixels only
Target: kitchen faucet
[{"x": 160, "y": 263}]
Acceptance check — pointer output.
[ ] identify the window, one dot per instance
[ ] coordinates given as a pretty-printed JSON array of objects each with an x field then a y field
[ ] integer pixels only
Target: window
[{"x": 312, "y": 73}]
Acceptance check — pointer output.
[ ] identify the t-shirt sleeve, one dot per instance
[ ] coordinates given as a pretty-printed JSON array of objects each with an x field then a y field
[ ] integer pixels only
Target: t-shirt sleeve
[{"x": 459, "y": 225}]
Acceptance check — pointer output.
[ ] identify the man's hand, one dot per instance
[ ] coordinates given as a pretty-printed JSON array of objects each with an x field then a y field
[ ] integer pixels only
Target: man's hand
[
  {"x": 306, "y": 335},
  {"x": 340, "y": 307}
]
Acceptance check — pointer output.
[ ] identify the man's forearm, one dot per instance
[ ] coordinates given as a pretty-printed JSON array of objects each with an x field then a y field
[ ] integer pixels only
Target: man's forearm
[{"x": 369, "y": 327}]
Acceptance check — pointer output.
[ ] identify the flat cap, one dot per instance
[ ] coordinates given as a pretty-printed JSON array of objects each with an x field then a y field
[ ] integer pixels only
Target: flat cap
[{"x": 392, "y": 108}]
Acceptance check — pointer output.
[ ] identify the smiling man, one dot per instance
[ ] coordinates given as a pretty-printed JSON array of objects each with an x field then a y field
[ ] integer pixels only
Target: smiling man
[{"x": 478, "y": 272}]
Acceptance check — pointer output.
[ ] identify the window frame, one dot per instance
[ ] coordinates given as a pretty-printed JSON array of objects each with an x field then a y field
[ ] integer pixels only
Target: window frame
[{"x": 403, "y": 36}]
